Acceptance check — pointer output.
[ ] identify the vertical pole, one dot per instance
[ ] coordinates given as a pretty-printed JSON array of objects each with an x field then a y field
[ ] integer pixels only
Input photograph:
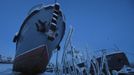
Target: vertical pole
[{"x": 57, "y": 72}]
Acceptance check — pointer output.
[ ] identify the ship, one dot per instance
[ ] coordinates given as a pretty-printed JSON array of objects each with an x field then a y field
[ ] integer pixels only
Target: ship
[
  {"x": 115, "y": 63},
  {"x": 39, "y": 35},
  {"x": 108, "y": 62},
  {"x": 103, "y": 62}
]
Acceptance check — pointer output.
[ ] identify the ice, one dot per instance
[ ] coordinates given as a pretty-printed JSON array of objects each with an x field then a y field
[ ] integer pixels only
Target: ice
[{"x": 6, "y": 69}]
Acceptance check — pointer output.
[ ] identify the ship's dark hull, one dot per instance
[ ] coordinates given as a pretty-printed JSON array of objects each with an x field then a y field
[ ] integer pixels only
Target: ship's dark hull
[{"x": 33, "y": 61}]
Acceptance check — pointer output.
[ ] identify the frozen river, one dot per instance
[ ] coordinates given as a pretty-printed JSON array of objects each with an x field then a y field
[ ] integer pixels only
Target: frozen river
[{"x": 6, "y": 69}]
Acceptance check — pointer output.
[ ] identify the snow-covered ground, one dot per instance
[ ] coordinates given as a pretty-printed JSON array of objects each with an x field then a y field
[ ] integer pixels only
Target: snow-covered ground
[{"x": 6, "y": 69}]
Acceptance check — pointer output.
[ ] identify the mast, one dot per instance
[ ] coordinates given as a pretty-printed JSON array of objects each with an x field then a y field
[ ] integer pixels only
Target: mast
[
  {"x": 67, "y": 41},
  {"x": 64, "y": 56}
]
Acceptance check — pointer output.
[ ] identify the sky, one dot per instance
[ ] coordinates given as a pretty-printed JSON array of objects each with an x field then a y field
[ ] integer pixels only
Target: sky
[{"x": 97, "y": 24}]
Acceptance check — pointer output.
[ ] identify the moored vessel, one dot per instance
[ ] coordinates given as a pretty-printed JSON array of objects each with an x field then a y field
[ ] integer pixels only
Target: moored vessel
[{"x": 40, "y": 34}]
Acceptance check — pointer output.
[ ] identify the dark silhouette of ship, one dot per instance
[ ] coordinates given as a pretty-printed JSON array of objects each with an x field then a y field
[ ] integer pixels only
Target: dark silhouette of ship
[{"x": 40, "y": 34}]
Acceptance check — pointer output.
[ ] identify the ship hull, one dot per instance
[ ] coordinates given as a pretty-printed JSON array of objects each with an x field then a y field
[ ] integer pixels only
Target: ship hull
[
  {"x": 115, "y": 61},
  {"x": 43, "y": 26},
  {"x": 33, "y": 61}
]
